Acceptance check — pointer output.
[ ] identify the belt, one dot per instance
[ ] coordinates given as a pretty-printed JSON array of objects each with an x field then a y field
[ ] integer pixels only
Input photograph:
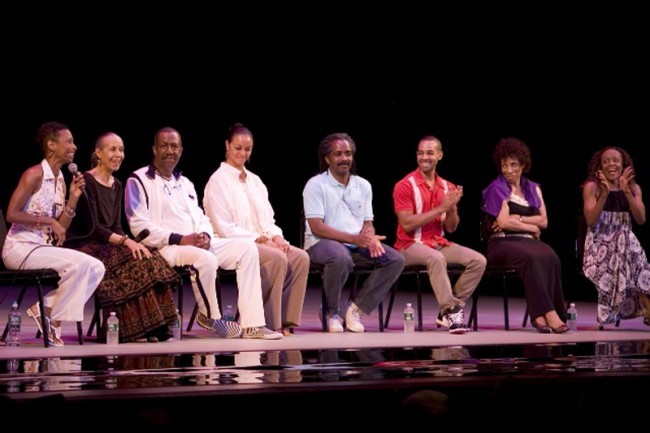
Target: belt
[{"x": 511, "y": 235}]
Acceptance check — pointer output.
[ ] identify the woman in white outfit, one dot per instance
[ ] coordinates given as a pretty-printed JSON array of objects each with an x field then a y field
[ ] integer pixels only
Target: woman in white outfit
[
  {"x": 40, "y": 216},
  {"x": 237, "y": 203}
]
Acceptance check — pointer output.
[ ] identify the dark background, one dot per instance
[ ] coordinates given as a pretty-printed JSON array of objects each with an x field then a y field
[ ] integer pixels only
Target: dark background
[{"x": 566, "y": 83}]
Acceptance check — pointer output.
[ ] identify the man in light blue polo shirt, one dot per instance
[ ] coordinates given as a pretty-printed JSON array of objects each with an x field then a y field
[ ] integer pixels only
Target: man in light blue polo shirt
[{"x": 339, "y": 234}]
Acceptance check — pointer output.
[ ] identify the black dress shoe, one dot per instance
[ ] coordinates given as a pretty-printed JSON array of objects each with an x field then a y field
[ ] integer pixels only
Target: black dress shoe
[{"x": 542, "y": 329}]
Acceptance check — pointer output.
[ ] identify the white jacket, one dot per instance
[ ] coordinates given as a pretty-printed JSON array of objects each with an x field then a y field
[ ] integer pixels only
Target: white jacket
[{"x": 144, "y": 200}]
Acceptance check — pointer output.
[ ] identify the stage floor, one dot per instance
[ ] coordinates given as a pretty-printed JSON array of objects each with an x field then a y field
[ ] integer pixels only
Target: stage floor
[{"x": 312, "y": 367}]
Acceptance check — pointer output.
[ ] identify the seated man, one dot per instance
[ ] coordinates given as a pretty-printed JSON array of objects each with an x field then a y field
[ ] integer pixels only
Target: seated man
[
  {"x": 339, "y": 234},
  {"x": 426, "y": 208}
]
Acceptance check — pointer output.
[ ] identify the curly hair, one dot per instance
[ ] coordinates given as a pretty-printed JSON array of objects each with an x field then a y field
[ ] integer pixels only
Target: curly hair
[
  {"x": 325, "y": 148},
  {"x": 512, "y": 147},
  {"x": 595, "y": 163}
]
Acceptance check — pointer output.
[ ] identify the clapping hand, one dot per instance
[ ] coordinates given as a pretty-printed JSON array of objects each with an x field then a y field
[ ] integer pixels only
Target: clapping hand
[{"x": 626, "y": 179}]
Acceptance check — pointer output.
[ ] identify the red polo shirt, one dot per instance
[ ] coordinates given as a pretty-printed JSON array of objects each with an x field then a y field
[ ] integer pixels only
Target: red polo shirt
[{"x": 412, "y": 193}]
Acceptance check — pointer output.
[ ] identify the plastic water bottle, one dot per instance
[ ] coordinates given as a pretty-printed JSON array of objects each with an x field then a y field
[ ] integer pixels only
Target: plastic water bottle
[
  {"x": 409, "y": 318},
  {"x": 12, "y": 368},
  {"x": 12, "y": 365},
  {"x": 13, "y": 338},
  {"x": 572, "y": 317},
  {"x": 176, "y": 327},
  {"x": 112, "y": 329},
  {"x": 228, "y": 314}
]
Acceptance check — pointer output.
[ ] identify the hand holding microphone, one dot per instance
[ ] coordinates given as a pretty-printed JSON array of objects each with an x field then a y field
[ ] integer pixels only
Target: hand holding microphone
[{"x": 78, "y": 180}]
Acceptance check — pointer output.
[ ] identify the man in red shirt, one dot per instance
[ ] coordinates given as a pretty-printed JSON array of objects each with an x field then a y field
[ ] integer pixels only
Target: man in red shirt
[{"x": 426, "y": 208}]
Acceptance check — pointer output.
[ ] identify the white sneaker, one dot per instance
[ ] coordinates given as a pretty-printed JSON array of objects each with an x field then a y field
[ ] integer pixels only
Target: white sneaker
[
  {"x": 353, "y": 319},
  {"x": 335, "y": 324}
]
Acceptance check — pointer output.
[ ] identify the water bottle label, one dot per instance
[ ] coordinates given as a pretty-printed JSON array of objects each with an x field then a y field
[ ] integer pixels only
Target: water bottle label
[
  {"x": 572, "y": 316},
  {"x": 113, "y": 327},
  {"x": 14, "y": 321},
  {"x": 408, "y": 316}
]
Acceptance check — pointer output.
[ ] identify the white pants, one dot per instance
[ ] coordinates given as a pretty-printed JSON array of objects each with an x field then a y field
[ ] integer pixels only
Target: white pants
[
  {"x": 80, "y": 275},
  {"x": 231, "y": 253}
]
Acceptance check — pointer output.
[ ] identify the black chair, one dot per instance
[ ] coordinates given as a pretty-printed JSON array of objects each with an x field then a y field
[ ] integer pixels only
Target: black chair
[
  {"x": 26, "y": 278},
  {"x": 358, "y": 272},
  {"x": 417, "y": 270},
  {"x": 220, "y": 274},
  {"x": 96, "y": 322},
  {"x": 500, "y": 271}
]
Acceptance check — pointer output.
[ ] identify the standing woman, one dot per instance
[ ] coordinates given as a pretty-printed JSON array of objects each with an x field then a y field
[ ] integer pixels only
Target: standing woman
[
  {"x": 613, "y": 257},
  {"x": 237, "y": 203},
  {"x": 516, "y": 216},
  {"x": 39, "y": 216},
  {"x": 139, "y": 284}
]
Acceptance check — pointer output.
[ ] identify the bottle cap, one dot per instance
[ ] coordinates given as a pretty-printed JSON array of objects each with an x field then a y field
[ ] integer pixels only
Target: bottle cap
[{"x": 408, "y": 304}]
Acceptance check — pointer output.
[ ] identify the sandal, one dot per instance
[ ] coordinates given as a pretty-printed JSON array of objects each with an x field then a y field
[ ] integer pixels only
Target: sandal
[
  {"x": 541, "y": 328},
  {"x": 35, "y": 313},
  {"x": 287, "y": 331},
  {"x": 54, "y": 336}
]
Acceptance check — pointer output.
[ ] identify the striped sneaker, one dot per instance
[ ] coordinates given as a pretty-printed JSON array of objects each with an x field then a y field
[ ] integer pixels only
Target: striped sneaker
[
  {"x": 261, "y": 332},
  {"x": 223, "y": 328}
]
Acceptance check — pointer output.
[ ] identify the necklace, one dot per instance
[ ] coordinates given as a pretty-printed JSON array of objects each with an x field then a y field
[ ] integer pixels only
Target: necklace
[{"x": 167, "y": 178}]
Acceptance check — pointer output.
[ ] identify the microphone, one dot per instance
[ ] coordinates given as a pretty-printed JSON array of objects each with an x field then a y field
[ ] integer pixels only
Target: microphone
[
  {"x": 142, "y": 235},
  {"x": 72, "y": 168}
]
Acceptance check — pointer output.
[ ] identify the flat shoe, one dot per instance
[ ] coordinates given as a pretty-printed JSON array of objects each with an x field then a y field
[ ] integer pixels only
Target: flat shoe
[{"x": 35, "y": 313}]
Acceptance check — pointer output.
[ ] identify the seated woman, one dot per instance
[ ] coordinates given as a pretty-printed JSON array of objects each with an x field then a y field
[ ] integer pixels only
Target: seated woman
[
  {"x": 237, "y": 203},
  {"x": 39, "y": 216},
  {"x": 613, "y": 257},
  {"x": 516, "y": 209},
  {"x": 138, "y": 284}
]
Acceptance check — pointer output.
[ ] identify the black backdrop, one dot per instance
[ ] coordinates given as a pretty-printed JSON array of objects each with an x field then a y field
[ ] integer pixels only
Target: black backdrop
[{"x": 566, "y": 98}]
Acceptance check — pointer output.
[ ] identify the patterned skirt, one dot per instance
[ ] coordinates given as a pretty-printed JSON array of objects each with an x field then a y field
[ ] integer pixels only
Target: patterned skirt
[
  {"x": 617, "y": 265},
  {"x": 139, "y": 291}
]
